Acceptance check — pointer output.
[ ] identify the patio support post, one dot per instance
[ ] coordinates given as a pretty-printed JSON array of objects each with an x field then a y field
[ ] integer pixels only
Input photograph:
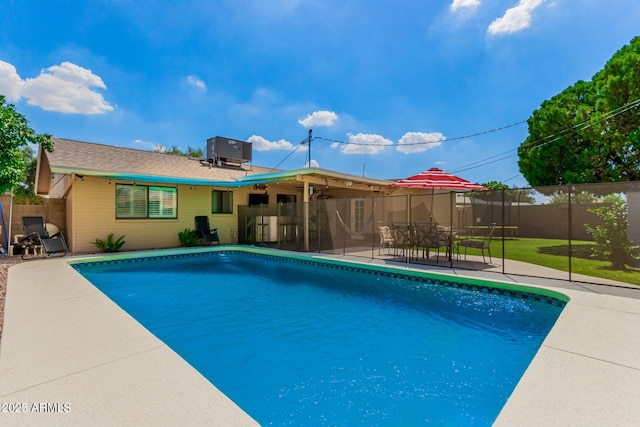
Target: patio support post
[
  {"x": 569, "y": 188},
  {"x": 305, "y": 198},
  {"x": 408, "y": 255},
  {"x": 452, "y": 204},
  {"x": 373, "y": 227},
  {"x": 503, "y": 224},
  {"x": 278, "y": 219}
]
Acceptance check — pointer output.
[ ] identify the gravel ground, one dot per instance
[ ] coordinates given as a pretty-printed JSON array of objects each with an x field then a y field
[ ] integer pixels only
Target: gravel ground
[{"x": 5, "y": 263}]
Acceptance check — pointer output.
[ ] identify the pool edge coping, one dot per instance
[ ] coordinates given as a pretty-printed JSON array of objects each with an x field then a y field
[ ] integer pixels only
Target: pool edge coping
[{"x": 519, "y": 405}]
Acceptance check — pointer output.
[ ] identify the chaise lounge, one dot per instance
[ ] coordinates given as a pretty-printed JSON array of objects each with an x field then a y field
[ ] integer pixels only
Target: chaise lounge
[{"x": 37, "y": 238}]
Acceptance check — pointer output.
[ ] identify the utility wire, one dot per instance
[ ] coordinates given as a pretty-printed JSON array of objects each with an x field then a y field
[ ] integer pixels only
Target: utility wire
[
  {"x": 495, "y": 158},
  {"x": 513, "y": 177},
  {"x": 425, "y": 142},
  {"x": 549, "y": 139},
  {"x": 289, "y": 155}
]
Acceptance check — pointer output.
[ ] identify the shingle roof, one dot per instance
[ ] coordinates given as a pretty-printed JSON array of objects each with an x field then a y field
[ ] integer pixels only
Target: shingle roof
[{"x": 107, "y": 160}]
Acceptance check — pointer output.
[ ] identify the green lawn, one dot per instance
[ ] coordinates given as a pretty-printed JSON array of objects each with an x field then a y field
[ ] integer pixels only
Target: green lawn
[{"x": 554, "y": 253}]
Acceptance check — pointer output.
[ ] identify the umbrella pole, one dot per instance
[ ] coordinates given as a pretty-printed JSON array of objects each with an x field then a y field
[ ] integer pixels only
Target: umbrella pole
[{"x": 431, "y": 210}]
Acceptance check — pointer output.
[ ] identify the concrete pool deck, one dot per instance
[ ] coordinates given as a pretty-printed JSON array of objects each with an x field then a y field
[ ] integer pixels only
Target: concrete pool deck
[{"x": 70, "y": 356}]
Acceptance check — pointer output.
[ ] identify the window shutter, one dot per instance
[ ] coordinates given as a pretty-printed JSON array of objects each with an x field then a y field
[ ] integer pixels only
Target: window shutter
[
  {"x": 140, "y": 201},
  {"x": 131, "y": 201},
  {"x": 162, "y": 202},
  {"x": 139, "y": 197}
]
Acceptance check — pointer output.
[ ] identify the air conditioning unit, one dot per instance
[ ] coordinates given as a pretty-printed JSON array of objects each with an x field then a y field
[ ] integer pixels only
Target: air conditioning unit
[{"x": 228, "y": 152}]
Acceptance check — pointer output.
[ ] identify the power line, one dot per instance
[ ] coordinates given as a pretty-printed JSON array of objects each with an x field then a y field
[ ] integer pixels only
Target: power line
[
  {"x": 492, "y": 159},
  {"x": 289, "y": 155},
  {"x": 424, "y": 142},
  {"x": 549, "y": 139},
  {"x": 513, "y": 177}
]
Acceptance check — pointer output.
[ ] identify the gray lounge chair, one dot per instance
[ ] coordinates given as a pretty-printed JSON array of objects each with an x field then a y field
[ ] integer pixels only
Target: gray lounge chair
[{"x": 37, "y": 239}]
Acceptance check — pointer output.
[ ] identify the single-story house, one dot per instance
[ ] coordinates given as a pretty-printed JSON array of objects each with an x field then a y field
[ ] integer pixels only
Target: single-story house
[{"x": 149, "y": 197}]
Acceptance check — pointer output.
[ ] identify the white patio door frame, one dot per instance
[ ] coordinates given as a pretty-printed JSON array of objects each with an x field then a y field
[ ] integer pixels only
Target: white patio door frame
[{"x": 357, "y": 218}]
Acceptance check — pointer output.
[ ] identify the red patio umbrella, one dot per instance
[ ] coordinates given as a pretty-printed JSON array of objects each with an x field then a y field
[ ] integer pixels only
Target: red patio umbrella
[{"x": 435, "y": 179}]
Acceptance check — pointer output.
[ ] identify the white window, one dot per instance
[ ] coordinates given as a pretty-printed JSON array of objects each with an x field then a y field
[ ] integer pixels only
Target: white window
[
  {"x": 140, "y": 201},
  {"x": 162, "y": 202}
]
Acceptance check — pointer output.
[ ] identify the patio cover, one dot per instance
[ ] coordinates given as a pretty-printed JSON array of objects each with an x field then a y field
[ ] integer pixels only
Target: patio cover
[{"x": 435, "y": 179}]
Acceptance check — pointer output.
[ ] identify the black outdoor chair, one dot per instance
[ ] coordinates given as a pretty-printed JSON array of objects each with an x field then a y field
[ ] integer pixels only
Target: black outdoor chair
[
  {"x": 483, "y": 244},
  {"x": 37, "y": 240},
  {"x": 204, "y": 232},
  {"x": 428, "y": 237}
]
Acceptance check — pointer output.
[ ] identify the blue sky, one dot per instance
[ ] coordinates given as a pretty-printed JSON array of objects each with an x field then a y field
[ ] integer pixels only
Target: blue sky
[{"x": 389, "y": 88}]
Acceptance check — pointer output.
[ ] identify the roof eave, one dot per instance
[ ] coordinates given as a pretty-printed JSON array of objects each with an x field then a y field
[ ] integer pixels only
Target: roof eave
[
  {"x": 296, "y": 173},
  {"x": 146, "y": 178}
]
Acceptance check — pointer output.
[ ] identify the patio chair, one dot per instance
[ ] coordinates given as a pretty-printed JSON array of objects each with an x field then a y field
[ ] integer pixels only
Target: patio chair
[
  {"x": 429, "y": 237},
  {"x": 482, "y": 244},
  {"x": 37, "y": 238},
  {"x": 205, "y": 232},
  {"x": 386, "y": 238},
  {"x": 403, "y": 241}
]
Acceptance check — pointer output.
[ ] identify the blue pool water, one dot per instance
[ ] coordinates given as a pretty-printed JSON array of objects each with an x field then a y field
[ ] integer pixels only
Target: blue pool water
[{"x": 296, "y": 343}]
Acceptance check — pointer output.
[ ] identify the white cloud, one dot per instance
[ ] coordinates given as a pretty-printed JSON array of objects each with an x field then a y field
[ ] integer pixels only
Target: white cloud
[
  {"x": 464, "y": 4},
  {"x": 319, "y": 118},
  {"x": 417, "y": 142},
  {"x": 146, "y": 145},
  {"x": 196, "y": 83},
  {"x": 10, "y": 82},
  {"x": 65, "y": 88},
  {"x": 314, "y": 164},
  {"x": 262, "y": 144},
  {"x": 363, "y": 143},
  {"x": 516, "y": 18}
]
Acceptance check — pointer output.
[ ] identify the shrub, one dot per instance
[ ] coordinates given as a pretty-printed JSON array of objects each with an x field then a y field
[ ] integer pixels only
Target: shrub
[
  {"x": 611, "y": 237},
  {"x": 109, "y": 244},
  {"x": 188, "y": 237}
]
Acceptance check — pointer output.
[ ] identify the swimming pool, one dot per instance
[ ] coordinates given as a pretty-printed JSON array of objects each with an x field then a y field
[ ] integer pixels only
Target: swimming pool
[{"x": 303, "y": 342}]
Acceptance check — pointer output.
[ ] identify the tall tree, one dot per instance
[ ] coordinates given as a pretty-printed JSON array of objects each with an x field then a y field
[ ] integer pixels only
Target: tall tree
[
  {"x": 26, "y": 186},
  {"x": 177, "y": 151},
  {"x": 517, "y": 195},
  {"x": 590, "y": 132},
  {"x": 15, "y": 136}
]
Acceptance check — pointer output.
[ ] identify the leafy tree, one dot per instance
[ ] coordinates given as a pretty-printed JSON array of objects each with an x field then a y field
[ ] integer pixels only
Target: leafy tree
[
  {"x": 495, "y": 185},
  {"x": 611, "y": 198},
  {"x": 26, "y": 186},
  {"x": 523, "y": 195},
  {"x": 176, "y": 151},
  {"x": 15, "y": 137},
  {"x": 611, "y": 237},
  {"x": 517, "y": 195},
  {"x": 590, "y": 132},
  {"x": 581, "y": 197}
]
